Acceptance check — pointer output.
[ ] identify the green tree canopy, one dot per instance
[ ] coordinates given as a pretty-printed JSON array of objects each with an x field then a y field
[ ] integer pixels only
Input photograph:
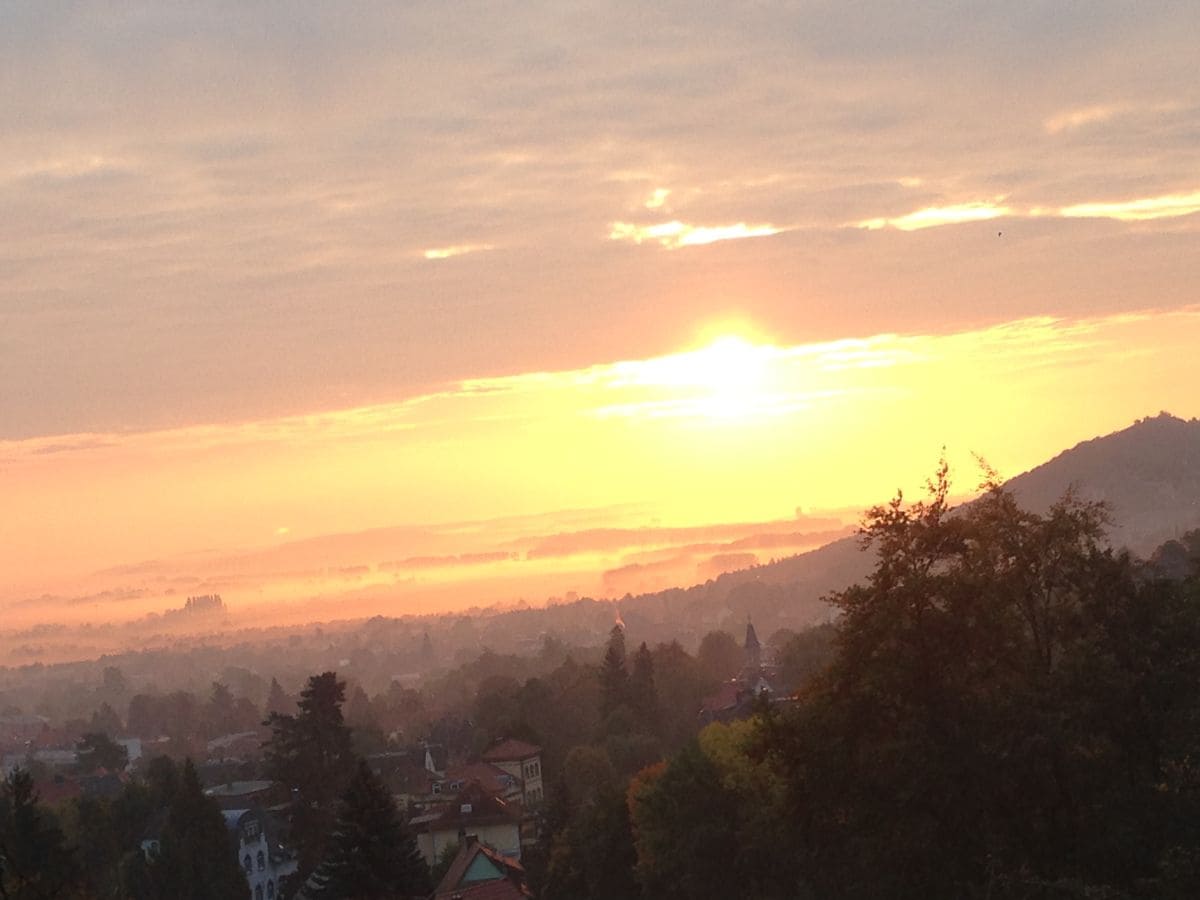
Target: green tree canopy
[{"x": 1012, "y": 705}]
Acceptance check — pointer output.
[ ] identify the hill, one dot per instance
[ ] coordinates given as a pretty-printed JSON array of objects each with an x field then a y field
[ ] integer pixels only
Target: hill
[{"x": 1148, "y": 474}]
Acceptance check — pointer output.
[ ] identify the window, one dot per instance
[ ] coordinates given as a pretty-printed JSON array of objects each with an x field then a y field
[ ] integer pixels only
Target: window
[
  {"x": 270, "y": 890},
  {"x": 262, "y": 861},
  {"x": 437, "y": 787},
  {"x": 258, "y": 895},
  {"x": 247, "y": 864}
]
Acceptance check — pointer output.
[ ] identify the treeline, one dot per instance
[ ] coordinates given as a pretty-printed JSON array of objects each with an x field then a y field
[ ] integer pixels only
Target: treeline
[
  {"x": 161, "y": 838},
  {"x": 1012, "y": 711}
]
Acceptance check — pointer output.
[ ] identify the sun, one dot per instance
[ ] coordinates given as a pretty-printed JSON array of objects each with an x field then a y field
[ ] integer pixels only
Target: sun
[{"x": 726, "y": 378}]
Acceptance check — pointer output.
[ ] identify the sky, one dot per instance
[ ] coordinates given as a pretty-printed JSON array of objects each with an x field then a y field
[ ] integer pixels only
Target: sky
[{"x": 368, "y": 300}]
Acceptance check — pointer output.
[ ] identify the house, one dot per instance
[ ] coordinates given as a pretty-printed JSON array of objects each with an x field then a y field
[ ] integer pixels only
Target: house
[
  {"x": 254, "y": 838},
  {"x": 493, "y": 779},
  {"x": 473, "y": 813},
  {"x": 523, "y": 762},
  {"x": 478, "y": 872},
  {"x": 263, "y": 857}
]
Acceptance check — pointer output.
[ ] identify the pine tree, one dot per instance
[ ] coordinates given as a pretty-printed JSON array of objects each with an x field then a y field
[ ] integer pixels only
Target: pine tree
[
  {"x": 614, "y": 680},
  {"x": 372, "y": 855},
  {"x": 195, "y": 861},
  {"x": 278, "y": 702},
  {"x": 643, "y": 695},
  {"x": 310, "y": 753},
  {"x": 34, "y": 860}
]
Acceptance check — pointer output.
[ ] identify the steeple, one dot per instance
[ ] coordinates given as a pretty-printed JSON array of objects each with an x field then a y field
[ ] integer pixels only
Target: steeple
[{"x": 753, "y": 649}]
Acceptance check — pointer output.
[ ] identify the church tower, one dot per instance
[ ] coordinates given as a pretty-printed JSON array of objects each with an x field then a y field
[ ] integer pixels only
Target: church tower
[{"x": 752, "y": 661}]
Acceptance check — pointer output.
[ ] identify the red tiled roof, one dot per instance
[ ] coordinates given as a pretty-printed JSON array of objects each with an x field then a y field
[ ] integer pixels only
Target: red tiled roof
[{"x": 511, "y": 750}]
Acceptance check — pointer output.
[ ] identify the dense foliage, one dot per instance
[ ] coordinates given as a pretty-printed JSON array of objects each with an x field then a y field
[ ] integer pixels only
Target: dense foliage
[{"x": 371, "y": 855}]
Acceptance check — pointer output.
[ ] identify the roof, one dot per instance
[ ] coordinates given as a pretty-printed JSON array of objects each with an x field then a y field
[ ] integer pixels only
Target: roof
[
  {"x": 508, "y": 883},
  {"x": 726, "y": 698},
  {"x": 238, "y": 788},
  {"x": 471, "y": 807},
  {"x": 501, "y": 889},
  {"x": 751, "y": 638},
  {"x": 511, "y": 750},
  {"x": 493, "y": 778}
]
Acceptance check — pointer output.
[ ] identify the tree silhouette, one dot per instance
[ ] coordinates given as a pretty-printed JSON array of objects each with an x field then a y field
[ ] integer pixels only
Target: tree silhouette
[
  {"x": 371, "y": 854},
  {"x": 35, "y": 863},
  {"x": 310, "y": 752}
]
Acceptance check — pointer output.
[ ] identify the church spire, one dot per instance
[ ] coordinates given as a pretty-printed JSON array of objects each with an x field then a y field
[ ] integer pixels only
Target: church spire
[{"x": 753, "y": 649}]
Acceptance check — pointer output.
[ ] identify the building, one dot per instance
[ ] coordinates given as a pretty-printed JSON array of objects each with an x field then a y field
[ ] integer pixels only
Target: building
[
  {"x": 261, "y": 853},
  {"x": 254, "y": 837},
  {"x": 473, "y": 813},
  {"x": 735, "y": 698},
  {"x": 478, "y": 872},
  {"x": 524, "y": 763}
]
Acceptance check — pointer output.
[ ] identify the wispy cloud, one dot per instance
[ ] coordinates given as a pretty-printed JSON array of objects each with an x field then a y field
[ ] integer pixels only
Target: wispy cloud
[
  {"x": 657, "y": 199},
  {"x": 934, "y": 216},
  {"x": 1076, "y": 118},
  {"x": 1139, "y": 210},
  {"x": 675, "y": 234},
  {"x": 455, "y": 250}
]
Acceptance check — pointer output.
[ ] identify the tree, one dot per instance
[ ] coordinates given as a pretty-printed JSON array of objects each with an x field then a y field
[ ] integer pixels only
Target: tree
[
  {"x": 719, "y": 655},
  {"x": 279, "y": 702},
  {"x": 194, "y": 861},
  {"x": 310, "y": 752},
  {"x": 96, "y": 750},
  {"x": 1012, "y": 706},
  {"x": 106, "y": 720},
  {"x": 643, "y": 694},
  {"x": 614, "y": 679},
  {"x": 371, "y": 855},
  {"x": 801, "y": 656},
  {"x": 685, "y": 827},
  {"x": 35, "y": 863}
]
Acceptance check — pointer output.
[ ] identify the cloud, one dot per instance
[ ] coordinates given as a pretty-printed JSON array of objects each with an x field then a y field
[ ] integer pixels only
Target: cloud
[
  {"x": 676, "y": 234},
  {"x": 224, "y": 215},
  {"x": 1077, "y": 118},
  {"x": 657, "y": 198},
  {"x": 1140, "y": 210},
  {"x": 934, "y": 216},
  {"x": 455, "y": 250}
]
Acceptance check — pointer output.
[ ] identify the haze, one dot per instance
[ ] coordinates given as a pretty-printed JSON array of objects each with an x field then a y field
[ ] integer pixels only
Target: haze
[{"x": 371, "y": 308}]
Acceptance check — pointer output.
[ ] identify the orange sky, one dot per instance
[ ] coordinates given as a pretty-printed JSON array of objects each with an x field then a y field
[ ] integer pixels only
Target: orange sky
[
  {"x": 736, "y": 429},
  {"x": 363, "y": 311}
]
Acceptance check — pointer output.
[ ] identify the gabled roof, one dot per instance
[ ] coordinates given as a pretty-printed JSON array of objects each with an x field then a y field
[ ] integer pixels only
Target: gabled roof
[
  {"x": 511, "y": 750},
  {"x": 460, "y": 880}
]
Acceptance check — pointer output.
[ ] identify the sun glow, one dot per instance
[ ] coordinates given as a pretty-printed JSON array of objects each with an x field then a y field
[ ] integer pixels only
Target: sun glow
[{"x": 726, "y": 378}]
